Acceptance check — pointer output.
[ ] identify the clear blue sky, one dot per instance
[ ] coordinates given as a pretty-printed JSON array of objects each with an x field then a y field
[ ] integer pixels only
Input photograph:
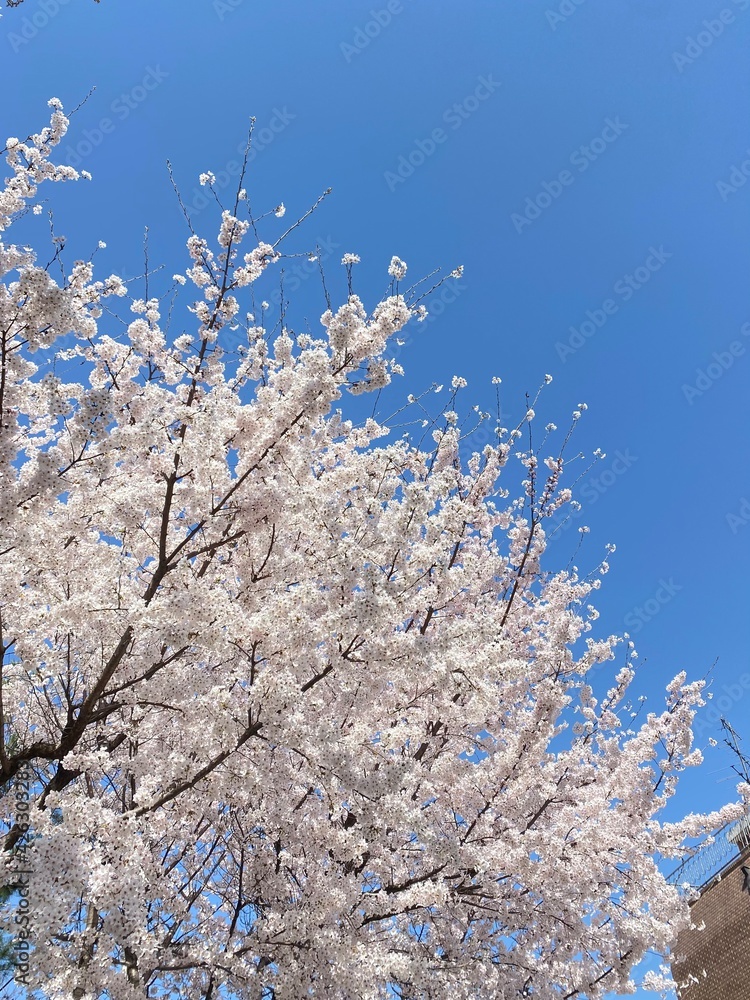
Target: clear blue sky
[{"x": 643, "y": 224}]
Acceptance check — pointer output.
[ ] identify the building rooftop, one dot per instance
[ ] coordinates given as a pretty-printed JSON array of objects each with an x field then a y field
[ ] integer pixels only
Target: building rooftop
[{"x": 708, "y": 863}]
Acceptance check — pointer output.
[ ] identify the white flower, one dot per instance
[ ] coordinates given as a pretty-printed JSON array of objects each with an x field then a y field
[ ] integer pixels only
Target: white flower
[
  {"x": 457, "y": 272},
  {"x": 102, "y": 245},
  {"x": 207, "y": 178},
  {"x": 350, "y": 258},
  {"x": 37, "y": 210},
  {"x": 279, "y": 211},
  {"x": 547, "y": 379},
  {"x": 458, "y": 382},
  {"x": 397, "y": 268}
]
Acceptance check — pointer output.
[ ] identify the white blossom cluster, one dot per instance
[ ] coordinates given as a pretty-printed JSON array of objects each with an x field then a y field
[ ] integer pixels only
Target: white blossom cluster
[{"x": 295, "y": 695}]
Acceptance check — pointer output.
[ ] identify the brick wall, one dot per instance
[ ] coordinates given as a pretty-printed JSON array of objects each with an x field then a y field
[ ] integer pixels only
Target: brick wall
[{"x": 723, "y": 948}]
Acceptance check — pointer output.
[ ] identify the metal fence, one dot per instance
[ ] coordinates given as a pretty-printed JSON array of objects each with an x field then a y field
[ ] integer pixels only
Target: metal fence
[{"x": 728, "y": 842}]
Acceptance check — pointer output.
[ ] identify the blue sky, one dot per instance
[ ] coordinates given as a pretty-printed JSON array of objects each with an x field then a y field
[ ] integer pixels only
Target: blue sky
[{"x": 583, "y": 161}]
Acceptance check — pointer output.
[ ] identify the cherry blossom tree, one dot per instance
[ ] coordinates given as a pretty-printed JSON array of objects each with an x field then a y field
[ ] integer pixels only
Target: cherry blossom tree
[{"x": 293, "y": 706}]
